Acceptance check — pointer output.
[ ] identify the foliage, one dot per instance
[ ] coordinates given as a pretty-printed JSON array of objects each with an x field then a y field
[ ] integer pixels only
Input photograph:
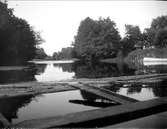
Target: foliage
[
  {"x": 135, "y": 58},
  {"x": 96, "y": 39},
  {"x": 40, "y": 53},
  {"x": 65, "y": 53},
  {"x": 133, "y": 38},
  {"x": 160, "y": 39},
  {"x": 157, "y": 26},
  {"x": 17, "y": 39}
]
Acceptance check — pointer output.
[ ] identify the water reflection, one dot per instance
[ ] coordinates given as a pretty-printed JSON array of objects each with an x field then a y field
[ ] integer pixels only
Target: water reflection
[
  {"x": 140, "y": 92},
  {"x": 55, "y": 72},
  {"x": 40, "y": 68},
  {"x": 10, "y": 106},
  {"x": 13, "y": 76},
  {"x": 91, "y": 99},
  {"x": 99, "y": 70},
  {"x": 29, "y": 107},
  {"x": 63, "y": 71},
  {"x": 134, "y": 89},
  {"x": 66, "y": 67},
  {"x": 160, "y": 91}
]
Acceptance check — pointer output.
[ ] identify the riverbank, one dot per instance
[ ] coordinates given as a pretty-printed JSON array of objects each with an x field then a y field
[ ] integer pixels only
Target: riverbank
[
  {"x": 136, "y": 57},
  {"x": 72, "y": 59},
  {"x": 8, "y": 68}
]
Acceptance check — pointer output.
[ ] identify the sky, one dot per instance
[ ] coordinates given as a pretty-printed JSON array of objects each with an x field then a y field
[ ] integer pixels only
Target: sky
[{"x": 58, "y": 21}]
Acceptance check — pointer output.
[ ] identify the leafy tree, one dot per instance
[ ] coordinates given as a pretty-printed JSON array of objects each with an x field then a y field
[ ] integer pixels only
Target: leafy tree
[
  {"x": 17, "y": 39},
  {"x": 96, "y": 39},
  {"x": 160, "y": 39},
  {"x": 40, "y": 53},
  {"x": 133, "y": 37},
  {"x": 157, "y": 25},
  {"x": 65, "y": 53}
]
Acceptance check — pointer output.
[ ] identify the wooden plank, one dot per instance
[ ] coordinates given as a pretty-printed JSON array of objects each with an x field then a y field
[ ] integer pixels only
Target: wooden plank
[
  {"x": 100, "y": 117},
  {"x": 4, "y": 121},
  {"x": 105, "y": 93}
]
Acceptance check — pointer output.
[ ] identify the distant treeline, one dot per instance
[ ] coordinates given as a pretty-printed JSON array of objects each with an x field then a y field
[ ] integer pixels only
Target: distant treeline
[
  {"x": 18, "y": 40},
  {"x": 100, "y": 39},
  {"x": 65, "y": 53},
  {"x": 95, "y": 39}
]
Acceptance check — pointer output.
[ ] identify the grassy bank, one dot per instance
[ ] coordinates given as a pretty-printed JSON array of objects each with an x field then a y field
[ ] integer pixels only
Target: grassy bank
[
  {"x": 138, "y": 55},
  {"x": 135, "y": 58}
]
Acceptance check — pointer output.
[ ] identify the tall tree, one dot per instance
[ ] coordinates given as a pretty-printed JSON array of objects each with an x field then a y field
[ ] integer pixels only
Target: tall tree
[
  {"x": 160, "y": 39},
  {"x": 96, "y": 39},
  {"x": 65, "y": 53},
  {"x": 40, "y": 53},
  {"x": 17, "y": 38},
  {"x": 157, "y": 25},
  {"x": 133, "y": 36}
]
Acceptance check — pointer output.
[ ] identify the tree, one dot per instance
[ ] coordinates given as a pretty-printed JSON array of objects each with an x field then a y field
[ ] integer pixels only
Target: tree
[
  {"x": 160, "y": 39},
  {"x": 40, "y": 53},
  {"x": 157, "y": 25},
  {"x": 133, "y": 37},
  {"x": 65, "y": 53},
  {"x": 18, "y": 40},
  {"x": 96, "y": 39}
]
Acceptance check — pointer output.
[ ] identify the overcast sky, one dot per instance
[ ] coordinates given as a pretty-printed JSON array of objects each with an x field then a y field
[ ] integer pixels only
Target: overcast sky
[{"x": 58, "y": 21}]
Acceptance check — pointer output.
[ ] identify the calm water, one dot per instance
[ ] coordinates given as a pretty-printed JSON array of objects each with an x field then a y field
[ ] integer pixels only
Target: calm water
[
  {"x": 48, "y": 71},
  {"x": 19, "y": 109},
  {"x": 52, "y": 104},
  {"x": 141, "y": 92}
]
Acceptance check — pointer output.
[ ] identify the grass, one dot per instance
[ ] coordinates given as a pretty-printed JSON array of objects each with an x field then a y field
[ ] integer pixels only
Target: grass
[{"x": 138, "y": 55}]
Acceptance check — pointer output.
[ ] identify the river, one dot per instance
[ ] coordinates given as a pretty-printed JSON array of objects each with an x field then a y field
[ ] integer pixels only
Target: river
[{"x": 19, "y": 108}]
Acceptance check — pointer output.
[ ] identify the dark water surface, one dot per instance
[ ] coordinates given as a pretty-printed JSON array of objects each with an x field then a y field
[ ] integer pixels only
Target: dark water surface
[
  {"x": 47, "y": 105},
  {"x": 30, "y": 107},
  {"x": 48, "y": 71}
]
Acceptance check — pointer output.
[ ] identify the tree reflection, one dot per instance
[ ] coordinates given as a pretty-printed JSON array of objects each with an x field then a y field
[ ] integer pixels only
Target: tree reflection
[
  {"x": 66, "y": 67},
  {"x": 10, "y": 106},
  {"x": 140, "y": 68},
  {"x": 134, "y": 89},
  {"x": 24, "y": 75},
  {"x": 98, "y": 70},
  {"x": 13, "y": 76},
  {"x": 161, "y": 89},
  {"x": 160, "y": 92},
  {"x": 93, "y": 100},
  {"x": 40, "y": 68}
]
